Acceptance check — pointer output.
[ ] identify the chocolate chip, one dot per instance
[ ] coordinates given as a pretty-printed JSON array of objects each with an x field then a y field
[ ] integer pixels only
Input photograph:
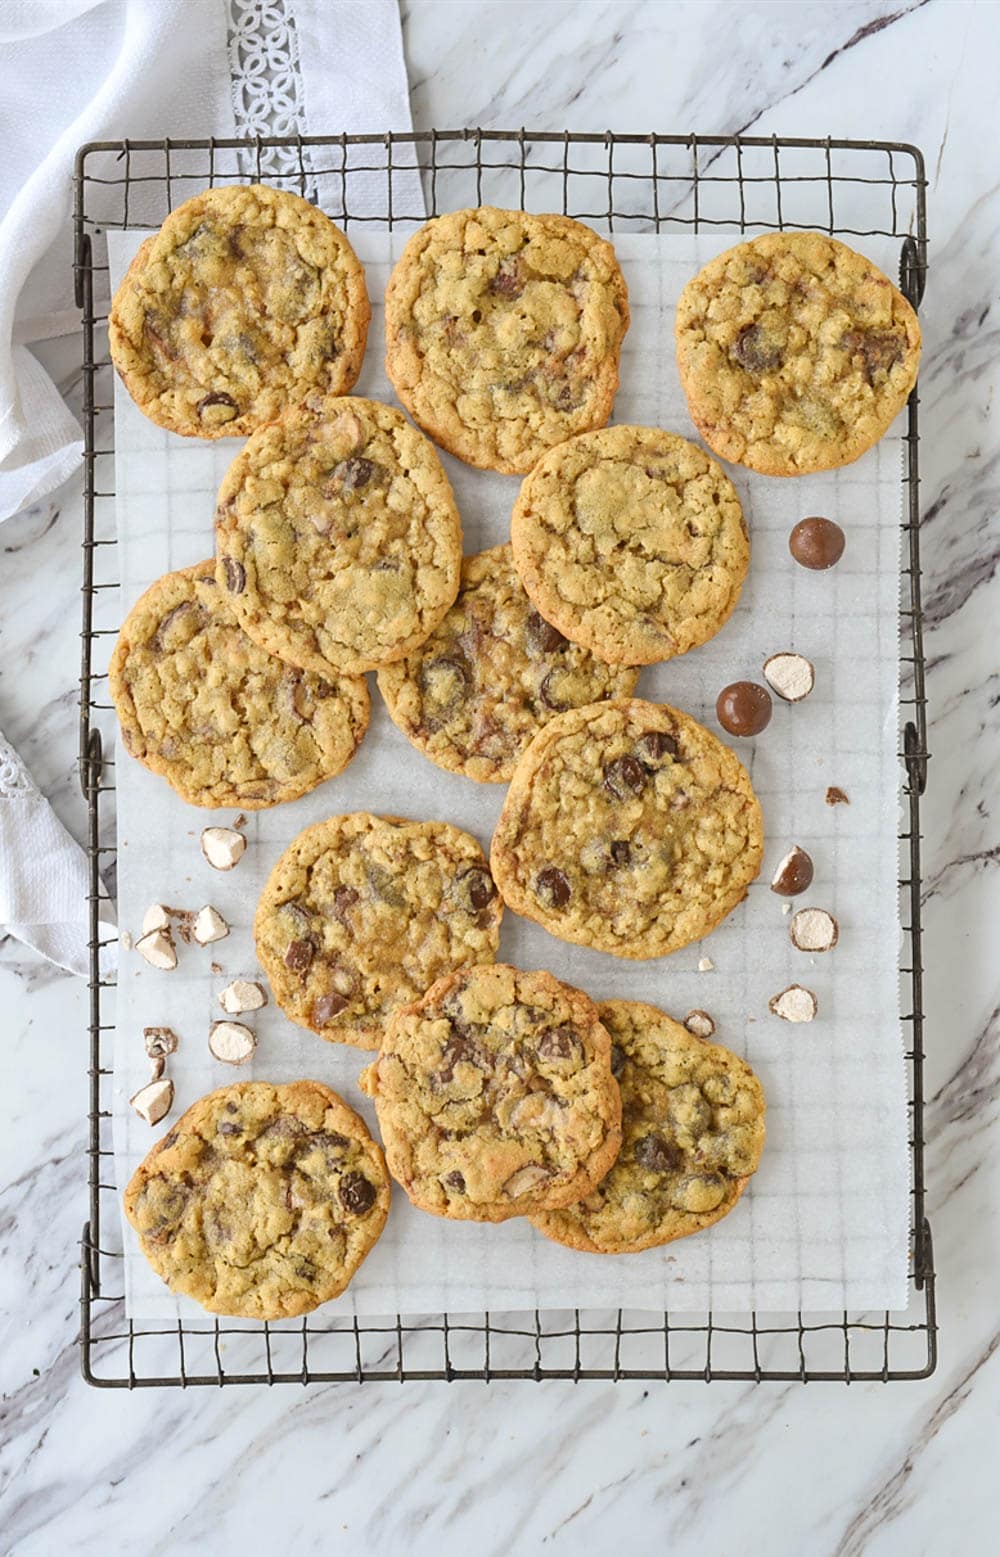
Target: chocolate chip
[
  {"x": 326, "y": 1007},
  {"x": 754, "y": 351},
  {"x": 621, "y": 851},
  {"x": 560, "y": 1043},
  {"x": 879, "y": 350},
  {"x": 382, "y": 884},
  {"x": 455, "y": 1181},
  {"x": 658, "y": 1155},
  {"x": 225, "y": 1128},
  {"x": 171, "y": 1139},
  {"x": 218, "y": 397},
  {"x": 817, "y": 543},
  {"x": 541, "y": 637},
  {"x": 617, "y": 1060},
  {"x": 354, "y": 472},
  {"x": 456, "y": 1049},
  {"x": 344, "y": 898},
  {"x": 744, "y": 708},
  {"x": 507, "y": 281},
  {"x": 300, "y": 954},
  {"x": 236, "y": 578},
  {"x": 656, "y": 744},
  {"x": 357, "y": 1195},
  {"x": 479, "y": 888},
  {"x": 553, "y": 887},
  {"x": 624, "y": 776}
]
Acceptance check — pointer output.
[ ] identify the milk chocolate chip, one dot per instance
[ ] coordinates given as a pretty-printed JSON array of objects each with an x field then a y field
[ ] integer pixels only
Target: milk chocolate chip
[
  {"x": 300, "y": 954},
  {"x": 552, "y": 887},
  {"x": 236, "y": 578},
  {"x": 326, "y": 1007},
  {"x": 744, "y": 708},
  {"x": 540, "y": 636},
  {"x": 817, "y": 543},
  {"x": 357, "y": 1195},
  {"x": 754, "y": 351},
  {"x": 625, "y": 776}
]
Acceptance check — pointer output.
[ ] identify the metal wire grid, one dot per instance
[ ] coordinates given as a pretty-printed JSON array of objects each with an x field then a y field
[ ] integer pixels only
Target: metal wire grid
[{"x": 630, "y": 183}]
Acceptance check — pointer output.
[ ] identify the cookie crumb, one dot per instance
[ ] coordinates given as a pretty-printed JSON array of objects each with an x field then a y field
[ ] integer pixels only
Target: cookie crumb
[{"x": 836, "y": 796}]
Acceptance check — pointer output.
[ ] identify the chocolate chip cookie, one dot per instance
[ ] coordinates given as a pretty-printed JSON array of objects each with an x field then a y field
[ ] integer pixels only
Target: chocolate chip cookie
[
  {"x": 503, "y": 332},
  {"x": 339, "y": 543},
  {"x": 491, "y": 675},
  {"x": 692, "y": 1135},
  {"x": 262, "y": 1201},
  {"x": 223, "y": 721},
  {"x": 495, "y": 1096},
  {"x": 246, "y": 300},
  {"x": 631, "y": 541},
  {"x": 362, "y": 913},
  {"x": 627, "y": 827},
  {"x": 795, "y": 353}
]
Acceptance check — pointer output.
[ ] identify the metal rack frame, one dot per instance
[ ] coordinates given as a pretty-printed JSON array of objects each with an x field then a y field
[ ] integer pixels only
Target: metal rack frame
[{"x": 664, "y": 183}]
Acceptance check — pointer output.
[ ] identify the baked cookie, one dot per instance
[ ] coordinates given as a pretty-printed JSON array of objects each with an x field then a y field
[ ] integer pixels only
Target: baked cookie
[
  {"x": 223, "y": 721},
  {"x": 503, "y": 331},
  {"x": 362, "y": 913},
  {"x": 627, "y": 827},
  {"x": 245, "y": 300},
  {"x": 262, "y": 1201},
  {"x": 795, "y": 353},
  {"x": 491, "y": 675},
  {"x": 339, "y": 544},
  {"x": 692, "y": 1134},
  {"x": 495, "y": 1096},
  {"x": 631, "y": 541}
]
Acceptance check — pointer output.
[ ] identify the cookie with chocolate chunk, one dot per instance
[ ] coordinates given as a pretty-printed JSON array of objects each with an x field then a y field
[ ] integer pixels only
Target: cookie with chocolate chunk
[
  {"x": 262, "y": 1201},
  {"x": 223, "y": 721},
  {"x": 339, "y": 543},
  {"x": 495, "y": 1096},
  {"x": 362, "y": 913},
  {"x": 503, "y": 332},
  {"x": 491, "y": 675},
  {"x": 627, "y": 827},
  {"x": 632, "y": 542},
  {"x": 246, "y": 300},
  {"x": 795, "y": 353},
  {"x": 692, "y": 1135}
]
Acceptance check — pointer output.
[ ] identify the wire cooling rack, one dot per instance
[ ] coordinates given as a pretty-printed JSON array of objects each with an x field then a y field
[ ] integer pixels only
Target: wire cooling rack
[{"x": 628, "y": 183}]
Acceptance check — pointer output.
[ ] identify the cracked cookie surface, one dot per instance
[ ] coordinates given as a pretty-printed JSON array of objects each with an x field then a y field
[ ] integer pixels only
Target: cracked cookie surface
[
  {"x": 338, "y": 539},
  {"x": 629, "y": 828},
  {"x": 503, "y": 331},
  {"x": 631, "y": 541},
  {"x": 362, "y": 913},
  {"x": 262, "y": 1200},
  {"x": 247, "y": 299},
  {"x": 692, "y": 1135},
  {"x": 795, "y": 353},
  {"x": 495, "y": 1096},
  {"x": 491, "y": 675},
  {"x": 223, "y": 721}
]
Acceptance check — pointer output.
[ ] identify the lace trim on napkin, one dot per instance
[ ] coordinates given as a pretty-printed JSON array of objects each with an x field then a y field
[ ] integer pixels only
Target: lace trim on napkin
[
  {"x": 15, "y": 781},
  {"x": 266, "y": 79}
]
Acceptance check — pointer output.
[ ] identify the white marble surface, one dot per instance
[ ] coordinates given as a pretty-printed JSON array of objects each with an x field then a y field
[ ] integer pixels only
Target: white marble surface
[{"x": 519, "y": 1467}]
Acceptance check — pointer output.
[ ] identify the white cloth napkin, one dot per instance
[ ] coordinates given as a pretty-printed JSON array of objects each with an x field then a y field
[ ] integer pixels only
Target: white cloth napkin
[{"x": 81, "y": 70}]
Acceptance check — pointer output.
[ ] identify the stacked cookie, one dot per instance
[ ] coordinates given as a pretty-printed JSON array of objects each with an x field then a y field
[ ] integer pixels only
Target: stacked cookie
[{"x": 627, "y": 826}]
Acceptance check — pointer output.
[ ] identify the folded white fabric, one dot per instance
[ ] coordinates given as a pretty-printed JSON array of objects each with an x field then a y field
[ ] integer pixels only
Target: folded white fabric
[{"x": 43, "y": 871}]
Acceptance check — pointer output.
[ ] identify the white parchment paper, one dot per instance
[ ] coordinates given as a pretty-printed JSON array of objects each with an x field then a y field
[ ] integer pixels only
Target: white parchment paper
[{"x": 823, "y": 1225}]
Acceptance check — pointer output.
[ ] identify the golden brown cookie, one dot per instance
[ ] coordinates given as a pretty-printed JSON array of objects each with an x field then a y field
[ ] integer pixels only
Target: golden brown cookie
[
  {"x": 795, "y": 353},
  {"x": 491, "y": 675},
  {"x": 503, "y": 331},
  {"x": 245, "y": 301},
  {"x": 631, "y": 541},
  {"x": 362, "y": 913},
  {"x": 692, "y": 1134},
  {"x": 339, "y": 543},
  {"x": 627, "y": 827},
  {"x": 224, "y": 722},
  {"x": 262, "y": 1201},
  {"x": 495, "y": 1096}
]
